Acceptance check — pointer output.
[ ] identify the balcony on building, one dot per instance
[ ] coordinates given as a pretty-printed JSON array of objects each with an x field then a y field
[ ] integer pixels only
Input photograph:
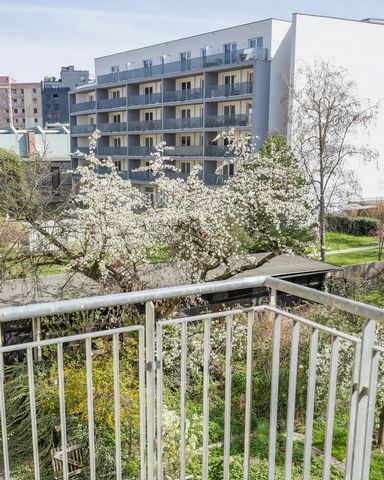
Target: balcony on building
[
  {"x": 229, "y": 90},
  {"x": 146, "y": 99},
  {"x": 216, "y": 151},
  {"x": 83, "y": 106},
  {"x": 183, "y": 95},
  {"x": 183, "y": 123},
  {"x": 144, "y": 125},
  {"x": 106, "y": 103},
  {"x": 236, "y": 57},
  {"x": 236, "y": 120},
  {"x": 112, "y": 127},
  {"x": 140, "y": 151},
  {"x": 111, "y": 150},
  {"x": 83, "y": 129}
]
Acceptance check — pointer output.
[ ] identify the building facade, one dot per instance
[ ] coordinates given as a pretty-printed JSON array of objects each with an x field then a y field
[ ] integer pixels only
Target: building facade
[
  {"x": 55, "y": 94},
  {"x": 20, "y": 104},
  {"x": 187, "y": 91},
  {"x": 52, "y": 147}
]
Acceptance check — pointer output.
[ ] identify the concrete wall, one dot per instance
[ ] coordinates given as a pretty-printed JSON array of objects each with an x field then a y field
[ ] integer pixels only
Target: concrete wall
[
  {"x": 372, "y": 272},
  {"x": 358, "y": 47}
]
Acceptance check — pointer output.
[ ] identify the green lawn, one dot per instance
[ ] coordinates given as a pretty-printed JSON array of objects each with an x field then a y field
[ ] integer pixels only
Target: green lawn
[
  {"x": 352, "y": 258},
  {"x": 340, "y": 241}
]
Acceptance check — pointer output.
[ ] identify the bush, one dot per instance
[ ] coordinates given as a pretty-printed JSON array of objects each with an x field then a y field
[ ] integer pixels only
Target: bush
[{"x": 351, "y": 225}]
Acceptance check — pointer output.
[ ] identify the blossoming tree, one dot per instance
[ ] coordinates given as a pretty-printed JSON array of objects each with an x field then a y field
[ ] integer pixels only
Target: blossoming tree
[{"x": 110, "y": 230}]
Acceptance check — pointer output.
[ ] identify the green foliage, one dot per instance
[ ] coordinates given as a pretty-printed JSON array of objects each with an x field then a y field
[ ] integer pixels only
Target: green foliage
[
  {"x": 11, "y": 183},
  {"x": 351, "y": 225},
  {"x": 278, "y": 144}
]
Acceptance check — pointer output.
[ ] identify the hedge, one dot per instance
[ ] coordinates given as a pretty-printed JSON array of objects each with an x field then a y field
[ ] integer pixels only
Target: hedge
[{"x": 351, "y": 225}]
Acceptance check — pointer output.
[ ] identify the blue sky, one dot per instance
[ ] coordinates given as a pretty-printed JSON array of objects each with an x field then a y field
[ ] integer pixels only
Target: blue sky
[{"x": 38, "y": 37}]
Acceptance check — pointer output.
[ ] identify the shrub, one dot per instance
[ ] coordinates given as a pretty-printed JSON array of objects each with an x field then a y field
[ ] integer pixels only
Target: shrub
[{"x": 351, "y": 225}]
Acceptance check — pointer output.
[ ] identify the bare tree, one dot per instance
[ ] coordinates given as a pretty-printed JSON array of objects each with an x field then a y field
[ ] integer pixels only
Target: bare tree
[{"x": 325, "y": 117}]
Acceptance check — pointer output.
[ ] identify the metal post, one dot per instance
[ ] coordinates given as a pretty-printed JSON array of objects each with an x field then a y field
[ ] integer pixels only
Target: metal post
[
  {"x": 361, "y": 425},
  {"x": 36, "y": 334},
  {"x": 150, "y": 369},
  {"x": 273, "y": 299}
]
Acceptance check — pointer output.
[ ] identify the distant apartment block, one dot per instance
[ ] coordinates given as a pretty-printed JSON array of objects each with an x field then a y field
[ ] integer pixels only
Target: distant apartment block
[
  {"x": 187, "y": 91},
  {"x": 55, "y": 94},
  {"x": 20, "y": 104},
  {"x": 51, "y": 146}
]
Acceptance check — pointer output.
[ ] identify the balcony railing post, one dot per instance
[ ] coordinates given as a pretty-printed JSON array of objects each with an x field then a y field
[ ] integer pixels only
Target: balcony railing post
[
  {"x": 366, "y": 385},
  {"x": 151, "y": 385}
]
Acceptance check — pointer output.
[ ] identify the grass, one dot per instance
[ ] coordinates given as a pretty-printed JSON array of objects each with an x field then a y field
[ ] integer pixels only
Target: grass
[
  {"x": 351, "y": 258},
  {"x": 340, "y": 241}
]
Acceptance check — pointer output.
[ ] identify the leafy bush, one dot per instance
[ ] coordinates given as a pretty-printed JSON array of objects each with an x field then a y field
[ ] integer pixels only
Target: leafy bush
[{"x": 351, "y": 225}]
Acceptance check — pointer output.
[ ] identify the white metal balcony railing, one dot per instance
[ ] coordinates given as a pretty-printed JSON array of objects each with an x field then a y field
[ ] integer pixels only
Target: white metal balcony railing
[{"x": 150, "y": 378}]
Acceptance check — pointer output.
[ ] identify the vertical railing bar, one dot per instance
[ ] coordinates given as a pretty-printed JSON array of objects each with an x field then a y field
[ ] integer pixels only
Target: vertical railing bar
[
  {"x": 310, "y": 403},
  {"x": 32, "y": 400},
  {"x": 291, "y": 398},
  {"x": 360, "y": 429},
  {"x": 352, "y": 412},
  {"x": 150, "y": 384},
  {"x": 159, "y": 383},
  {"x": 206, "y": 391},
  {"x": 370, "y": 414},
  {"x": 117, "y": 401},
  {"x": 183, "y": 391},
  {"x": 63, "y": 424},
  {"x": 143, "y": 467},
  {"x": 228, "y": 395},
  {"x": 248, "y": 395},
  {"x": 91, "y": 421},
  {"x": 4, "y": 430},
  {"x": 274, "y": 397},
  {"x": 331, "y": 407},
  {"x": 36, "y": 334}
]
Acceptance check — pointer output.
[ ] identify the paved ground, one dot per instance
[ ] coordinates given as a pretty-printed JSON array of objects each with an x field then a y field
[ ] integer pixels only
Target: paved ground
[{"x": 351, "y": 250}]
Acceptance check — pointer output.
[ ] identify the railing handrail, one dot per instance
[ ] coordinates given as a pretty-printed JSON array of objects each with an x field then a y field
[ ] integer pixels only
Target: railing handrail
[{"x": 103, "y": 301}]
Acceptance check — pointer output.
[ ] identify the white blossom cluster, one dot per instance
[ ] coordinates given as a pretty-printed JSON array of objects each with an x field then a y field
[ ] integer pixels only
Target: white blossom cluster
[{"x": 197, "y": 226}]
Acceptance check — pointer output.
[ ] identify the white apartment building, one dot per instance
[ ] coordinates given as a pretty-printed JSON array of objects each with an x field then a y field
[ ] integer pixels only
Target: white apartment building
[{"x": 187, "y": 91}]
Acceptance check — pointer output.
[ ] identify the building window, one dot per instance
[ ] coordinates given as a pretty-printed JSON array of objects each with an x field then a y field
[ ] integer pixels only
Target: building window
[
  {"x": 149, "y": 141},
  {"x": 35, "y": 110},
  {"x": 148, "y": 116},
  {"x": 34, "y": 100},
  {"x": 14, "y": 100},
  {"x": 115, "y": 69},
  {"x": 83, "y": 78},
  {"x": 186, "y": 141},
  {"x": 255, "y": 42},
  {"x": 230, "y": 52},
  {"x": 116, "y": 94},
  {"x": 116, "y": 118},
  {"x": 117, "y": 142},
  {"x": 55, "y": 178},
  {"x": 185, "y": 59},
  {"x": 36, "y": 120},
  {"x": 15, "y": 110},
  {"x": 118, "y": 165},
  {"x": 229, "y": 170},
  {"x": 150, "y": 194},
  {"x": 147, "y": 63},
  {"x": 185, "y": 168},
  {"x": 23, "y": 110},
  {"x": 34, "y": 90},
  {"x": 55, "y": 95}
]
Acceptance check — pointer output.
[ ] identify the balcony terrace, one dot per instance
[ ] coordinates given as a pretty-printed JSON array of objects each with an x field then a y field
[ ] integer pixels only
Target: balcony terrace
[
  {"x": 148, "y": 393},
  {"x": 210, "y": 61}
]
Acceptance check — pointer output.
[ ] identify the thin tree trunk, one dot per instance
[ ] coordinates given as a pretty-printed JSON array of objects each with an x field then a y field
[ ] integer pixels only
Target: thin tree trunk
[
  {"x": 380, "y": 438},
  {"x": 322, "y": 230}
]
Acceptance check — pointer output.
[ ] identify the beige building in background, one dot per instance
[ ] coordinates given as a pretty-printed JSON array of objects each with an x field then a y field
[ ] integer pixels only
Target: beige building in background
[{"x": 20, "y": 104}]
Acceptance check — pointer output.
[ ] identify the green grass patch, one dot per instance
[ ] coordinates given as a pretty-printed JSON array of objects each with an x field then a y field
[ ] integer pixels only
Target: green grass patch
[
  {"x": 340, "y": 241},
  {"x": 343, "y": 259}
]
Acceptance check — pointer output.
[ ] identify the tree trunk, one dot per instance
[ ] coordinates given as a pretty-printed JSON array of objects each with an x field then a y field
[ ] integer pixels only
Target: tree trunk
[
  {"x": 322, "y": 229},
  {"x": 380, "y": 437}
]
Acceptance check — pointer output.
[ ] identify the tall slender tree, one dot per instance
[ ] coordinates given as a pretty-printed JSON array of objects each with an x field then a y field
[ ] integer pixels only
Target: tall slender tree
[{"x": 325, "y": 117}]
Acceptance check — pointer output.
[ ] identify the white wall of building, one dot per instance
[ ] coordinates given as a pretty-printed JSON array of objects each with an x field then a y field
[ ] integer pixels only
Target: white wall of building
[{"x": 358, "y": 47}]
